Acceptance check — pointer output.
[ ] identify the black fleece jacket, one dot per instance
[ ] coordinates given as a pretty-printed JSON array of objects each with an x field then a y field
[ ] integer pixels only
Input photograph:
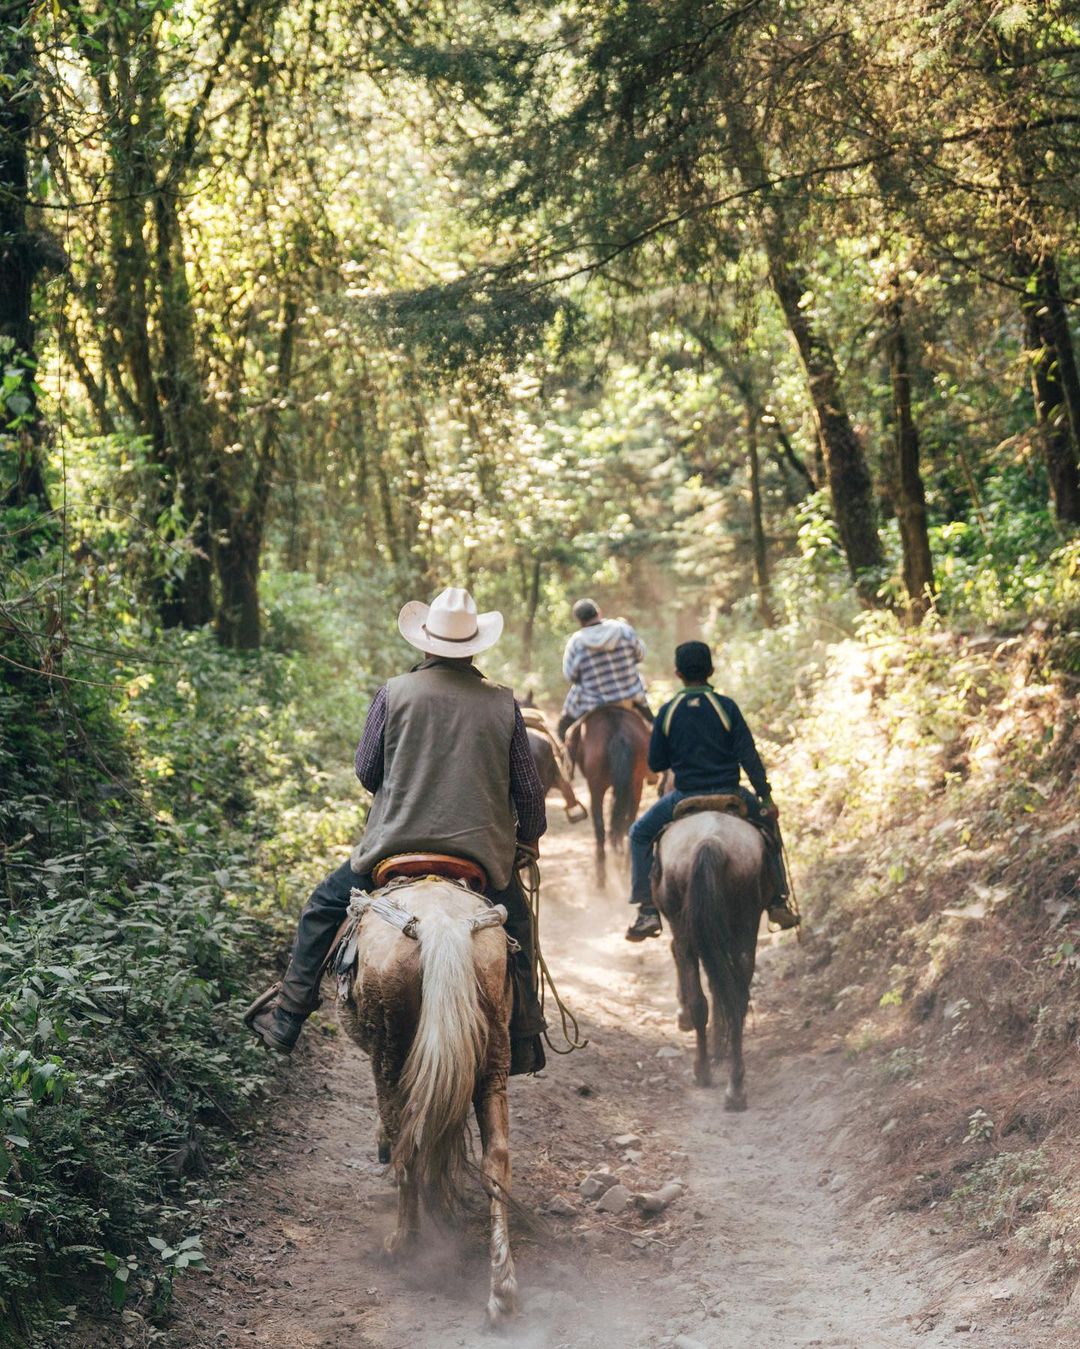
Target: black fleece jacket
[{"x": 689, "y": 737}]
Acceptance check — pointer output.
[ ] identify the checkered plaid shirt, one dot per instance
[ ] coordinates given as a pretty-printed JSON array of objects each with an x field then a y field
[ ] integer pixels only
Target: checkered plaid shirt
[{"x": 603, "y": 674}]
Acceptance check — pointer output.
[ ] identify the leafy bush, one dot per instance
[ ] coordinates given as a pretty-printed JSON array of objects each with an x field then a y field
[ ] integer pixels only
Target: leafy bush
[
  {"x": 1007, "y": 559},
  {"x": 158, "y": 794}
]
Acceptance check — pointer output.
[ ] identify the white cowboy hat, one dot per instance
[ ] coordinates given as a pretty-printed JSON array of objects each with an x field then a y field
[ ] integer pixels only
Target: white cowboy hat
[{"x": 449, "y": 625}]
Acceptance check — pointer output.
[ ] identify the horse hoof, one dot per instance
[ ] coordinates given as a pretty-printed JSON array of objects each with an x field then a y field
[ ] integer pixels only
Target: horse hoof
[
  {"x": 735, "y": 1100},
  {"x": 502, "y": 1308},
  {"x": 384, "y": 1153},
  {"x": 685, "y": 1022},
  {"x": 702, "y": 1077},
  {"x": 398, "y": 1242}
]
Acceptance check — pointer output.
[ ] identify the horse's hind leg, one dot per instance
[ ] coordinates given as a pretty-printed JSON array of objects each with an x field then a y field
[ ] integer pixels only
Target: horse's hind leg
[
  {"x": 720, "y": 1036},
  {"x": 695, "y": 1007},
  {"x": 735, "y": 1096},
  {"x": 408, "y": 1211},
  {"x": 596, "y": 804},
  {"x": 493, "y": 1116},
  {"x": 682, "y": 988}
]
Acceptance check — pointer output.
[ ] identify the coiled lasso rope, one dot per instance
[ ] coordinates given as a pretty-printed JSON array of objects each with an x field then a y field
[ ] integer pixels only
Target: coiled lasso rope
[{"x": 529, "y": 872}]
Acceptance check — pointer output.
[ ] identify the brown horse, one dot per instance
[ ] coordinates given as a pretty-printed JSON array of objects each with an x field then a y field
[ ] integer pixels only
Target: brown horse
[
  {"x": 710, "y": 883},
  {"x": 611, "y": 747},
  {"x": 550, "y": 773},
  {"x": 433, "y": 1012}
]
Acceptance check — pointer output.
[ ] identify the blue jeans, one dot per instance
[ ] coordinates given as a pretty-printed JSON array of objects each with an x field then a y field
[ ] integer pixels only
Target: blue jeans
[{"x": 643, "y": 834}]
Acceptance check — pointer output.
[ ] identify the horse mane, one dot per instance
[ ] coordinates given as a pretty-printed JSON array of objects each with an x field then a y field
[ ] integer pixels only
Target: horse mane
[{"x": 441, "y": 1068}]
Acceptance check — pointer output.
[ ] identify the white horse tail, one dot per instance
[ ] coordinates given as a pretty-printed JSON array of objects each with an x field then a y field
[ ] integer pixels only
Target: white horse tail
[{"x": 440, "y": 1072}]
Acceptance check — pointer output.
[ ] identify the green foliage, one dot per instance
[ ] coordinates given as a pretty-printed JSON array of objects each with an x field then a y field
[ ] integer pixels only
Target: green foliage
[
  {"x": 1006, "y": 560},
  {"x": 158, "y": 794},
  {"x": 1004, "y": 1191}
]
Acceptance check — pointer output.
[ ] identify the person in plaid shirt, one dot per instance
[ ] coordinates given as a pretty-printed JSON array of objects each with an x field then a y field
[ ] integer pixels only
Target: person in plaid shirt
[{"x": 601, "y": 662}]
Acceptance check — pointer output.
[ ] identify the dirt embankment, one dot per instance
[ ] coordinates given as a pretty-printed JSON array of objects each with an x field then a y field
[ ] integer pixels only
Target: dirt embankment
[
  {"x": 940, "y": 786},
  {"x": 781, "y": 1237}
]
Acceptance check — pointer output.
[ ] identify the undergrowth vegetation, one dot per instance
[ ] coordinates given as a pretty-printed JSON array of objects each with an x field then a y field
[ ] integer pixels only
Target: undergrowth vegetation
[{"x": 163, "y": 803}]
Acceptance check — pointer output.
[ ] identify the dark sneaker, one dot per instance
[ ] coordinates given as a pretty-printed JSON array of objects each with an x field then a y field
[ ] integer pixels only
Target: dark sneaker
[
  {"x": 277, "y": 1028},
  {"x": 782, "y": 916},
  {"x": 646, "y": 924}
]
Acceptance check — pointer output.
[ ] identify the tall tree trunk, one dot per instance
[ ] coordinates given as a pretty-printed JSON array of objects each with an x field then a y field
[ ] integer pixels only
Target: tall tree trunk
[
  {"x": 237, "y": 557},
  {"x": 850, "y": 484},
  {"x": 849, "y": 478},
  {"x": 1051, "y": 420},
  {"x": 24, "y": 253},
  {"x": 532, "y": 605},
  {"x": 1054, "y": 382},
  {"x": 186, "y": 411},
  {"x": 903, "y": 476},
  {"x": 1056, "y": 332},
  {"x": 757, "y": 524},
  {"x": 241, "y": 528}
]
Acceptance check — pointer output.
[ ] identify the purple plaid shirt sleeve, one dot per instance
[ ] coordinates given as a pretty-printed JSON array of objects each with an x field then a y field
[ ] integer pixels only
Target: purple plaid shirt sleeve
[
  {"x": 526, "y": 788},
  {"x": 369, "y": 752}
]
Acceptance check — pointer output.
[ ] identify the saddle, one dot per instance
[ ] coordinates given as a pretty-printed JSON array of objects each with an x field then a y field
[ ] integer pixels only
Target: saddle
[
  {"x": 409, "y": 865},
  {"x": 405, "y": 866},
  {"x": 623, "y": 704},
  {"x": 725, "y": 803},
  {"x": 535, "y": 720}
]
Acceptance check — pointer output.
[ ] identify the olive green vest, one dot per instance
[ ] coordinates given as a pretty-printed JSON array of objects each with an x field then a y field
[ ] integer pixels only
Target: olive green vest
[{"x": 446, "y": 772}]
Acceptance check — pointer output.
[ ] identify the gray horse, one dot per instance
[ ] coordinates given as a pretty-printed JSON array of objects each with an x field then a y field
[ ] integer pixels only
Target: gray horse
[{"x": 711, "y": 885}]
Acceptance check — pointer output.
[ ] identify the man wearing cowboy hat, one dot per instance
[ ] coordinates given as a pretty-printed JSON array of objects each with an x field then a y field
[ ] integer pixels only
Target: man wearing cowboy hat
[{"x": 446, "y": 754}]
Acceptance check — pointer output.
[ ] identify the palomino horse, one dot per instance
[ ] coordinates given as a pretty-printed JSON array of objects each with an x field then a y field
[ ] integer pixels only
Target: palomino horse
[
  {"x": 434, "y": 1014},
  {"x": 710, "y": 883},
  {"x": 611, "y": 747}
]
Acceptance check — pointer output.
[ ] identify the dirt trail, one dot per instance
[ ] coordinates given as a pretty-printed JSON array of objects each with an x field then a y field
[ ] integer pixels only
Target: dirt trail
[{"x": 772, "y": 1245}]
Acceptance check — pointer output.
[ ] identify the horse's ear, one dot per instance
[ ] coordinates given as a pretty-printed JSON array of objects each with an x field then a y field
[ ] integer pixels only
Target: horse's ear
[{"x": 528, "y": 700}]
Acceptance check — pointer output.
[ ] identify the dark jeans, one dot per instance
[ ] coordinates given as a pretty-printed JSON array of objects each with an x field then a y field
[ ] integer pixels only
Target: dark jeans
[
  {"x": 325, "y": 910},
  {"x": 643, "y": 834}
]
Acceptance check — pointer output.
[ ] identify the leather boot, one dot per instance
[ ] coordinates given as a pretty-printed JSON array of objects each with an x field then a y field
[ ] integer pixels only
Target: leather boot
[
  {"x": 779, "y": 909},
  {"x": 527, "y": 1022},
  {"x": 277, "y": 1028}
]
